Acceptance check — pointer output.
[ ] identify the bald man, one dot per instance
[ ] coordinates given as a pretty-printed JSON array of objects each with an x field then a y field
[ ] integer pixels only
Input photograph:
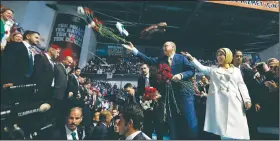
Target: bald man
[
  {"x": 181, "y": 69},
  {"x": 69, "y": 129},
  {"x": 60, "y": 85}
]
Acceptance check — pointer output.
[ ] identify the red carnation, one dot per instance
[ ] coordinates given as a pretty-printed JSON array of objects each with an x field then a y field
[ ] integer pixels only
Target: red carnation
[{"x": 149, "y": 93}]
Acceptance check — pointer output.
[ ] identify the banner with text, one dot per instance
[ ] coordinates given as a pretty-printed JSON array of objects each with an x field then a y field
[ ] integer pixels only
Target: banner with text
[
  {"x": 68, "y": 34},
  {"x": 112, "y": 52},
  {"x": 260, "y": 5}
]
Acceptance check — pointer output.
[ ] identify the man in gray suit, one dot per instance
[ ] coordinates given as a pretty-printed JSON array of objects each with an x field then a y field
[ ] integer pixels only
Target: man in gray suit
[{"x": 60, "y": 85}]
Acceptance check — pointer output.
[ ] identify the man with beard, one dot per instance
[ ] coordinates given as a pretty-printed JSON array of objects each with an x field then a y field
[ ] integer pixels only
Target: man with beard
[
  {"x": 17, "y": 60},
  {"x": 73, "y": 85},
  {"x": 183, "y": 126},
  {"x": 60, "y": 85},
  {"x": 43, "y": 75}
]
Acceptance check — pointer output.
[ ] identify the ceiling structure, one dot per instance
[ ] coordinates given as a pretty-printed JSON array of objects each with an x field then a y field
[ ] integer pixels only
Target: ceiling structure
[{"x": 193, "y": 26}]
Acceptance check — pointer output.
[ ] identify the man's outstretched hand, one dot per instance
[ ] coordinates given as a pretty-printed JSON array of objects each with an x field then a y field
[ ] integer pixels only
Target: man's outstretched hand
[{"x": 129, "y": 47}]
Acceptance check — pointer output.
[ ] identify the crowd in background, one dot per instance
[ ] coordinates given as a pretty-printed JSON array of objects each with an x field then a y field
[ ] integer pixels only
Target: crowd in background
[
  {"x": 127, "y": 66},
  {"x": 121, "y": 66}
]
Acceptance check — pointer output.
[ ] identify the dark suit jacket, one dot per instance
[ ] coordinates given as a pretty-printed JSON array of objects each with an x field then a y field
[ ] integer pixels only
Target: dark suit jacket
[
  {"x": 60, "y": 82},
  {"x": 180, "y": 64},
  {"x": 59, "y": 133},
  {"x": 15, "y": 64},
  {"x": 43, "y": 76},
  {"x": 83, "y": 91},
  {"x": 139, "y": 137},
  {"x": 141, "y": 86},
  {"x": 100, "y": 132},
  {"x": 73, "y": 85}
]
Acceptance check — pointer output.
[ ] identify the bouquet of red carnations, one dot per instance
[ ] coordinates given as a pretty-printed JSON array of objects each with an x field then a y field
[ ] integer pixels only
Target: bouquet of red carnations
[
  {"x": 151, "y": 93},
  {"x": 98, "y": 25},
  {"x": 163, "y": 73}
]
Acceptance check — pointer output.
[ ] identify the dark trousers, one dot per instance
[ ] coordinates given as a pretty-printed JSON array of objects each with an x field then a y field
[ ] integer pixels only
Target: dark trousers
[
  {"x": 58, "y": 111},
  {"x": 183, "y": 126}
]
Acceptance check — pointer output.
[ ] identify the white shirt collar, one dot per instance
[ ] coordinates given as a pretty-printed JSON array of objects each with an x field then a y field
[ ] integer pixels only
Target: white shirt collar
[
  {"x": 68, "y": 133},
  {"x": 131, "y": 136},
  {"x": 26, "y": 43},
  {"x": 148, "y": 75},
  {"x": 48, "y": 56},
  {"x": 171, "y": 56},
  {"x": 63, "y": 65},
  {"x": 75, "y": 76}
]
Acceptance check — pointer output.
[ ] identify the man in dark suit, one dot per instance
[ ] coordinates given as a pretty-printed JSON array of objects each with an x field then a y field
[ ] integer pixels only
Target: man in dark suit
[
  {"x": 61, "y": 78},
  {"x": 151, "y": 120},
  {"x": 60, "y": 95},
  {"x": 70, "y": 130},
  {"x": 43, "y": 75},
  {"x": 131, "y": 118},
  {"x": 17, "y": 60},
  {"x": 73, "y": 85},
  {"x": 184, "y": 125},
  {"x": 101, "y": 130}
]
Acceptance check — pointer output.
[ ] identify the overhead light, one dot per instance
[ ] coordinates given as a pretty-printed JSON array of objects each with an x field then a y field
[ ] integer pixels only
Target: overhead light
[{"x": 265, "y": 36}]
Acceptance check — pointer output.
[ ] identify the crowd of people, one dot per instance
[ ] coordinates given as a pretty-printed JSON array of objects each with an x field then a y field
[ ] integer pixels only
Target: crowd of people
[
  {"x": 232, "y": 94},
  {"x": 121, "y": 66}
]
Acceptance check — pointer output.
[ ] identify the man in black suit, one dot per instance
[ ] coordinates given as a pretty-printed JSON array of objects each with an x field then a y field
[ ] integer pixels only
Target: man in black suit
[
  {"x": 60, "y": 96},
  {"x": 61, "y": 78},
  {"x": 101, "y": 131},
  {"x": 43, "y": 75},
  {"x": 70, "y": 130},
  {"x": 150, "y": 116},
  {"x": 131, "y": 118},
  {"x": 17, "y": 60},
  {"x": 83, "y": 89},
  {"x": 73, "y": 85}
]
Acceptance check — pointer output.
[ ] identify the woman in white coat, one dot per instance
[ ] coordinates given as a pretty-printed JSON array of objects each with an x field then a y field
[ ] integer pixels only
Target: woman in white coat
[{"x": 226, "y": 99}]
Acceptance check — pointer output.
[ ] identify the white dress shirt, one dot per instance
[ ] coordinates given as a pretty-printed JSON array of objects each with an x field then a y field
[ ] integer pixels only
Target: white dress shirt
[
  {"x": 68, "y": 133},
  {"x": 131, "y": 136},
  {"x": 52, "y": 66},
  {"x": 77, "y": 79}
]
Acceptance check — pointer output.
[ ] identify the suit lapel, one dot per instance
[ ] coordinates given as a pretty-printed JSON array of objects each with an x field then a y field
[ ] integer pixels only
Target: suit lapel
[
  {"x": 174, "y": 59},
  {"x": 63, "y": 68},
  {"x": 47, "y": 61},
  {"x": 80, "y": 133}
]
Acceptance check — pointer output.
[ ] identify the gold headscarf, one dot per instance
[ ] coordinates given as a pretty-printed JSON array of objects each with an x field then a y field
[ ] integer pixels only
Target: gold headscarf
[{"x": 228, "y": 55}]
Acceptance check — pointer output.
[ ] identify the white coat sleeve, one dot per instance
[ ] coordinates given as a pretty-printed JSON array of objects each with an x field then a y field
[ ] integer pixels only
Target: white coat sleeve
[{"x": 204, "y": 69}]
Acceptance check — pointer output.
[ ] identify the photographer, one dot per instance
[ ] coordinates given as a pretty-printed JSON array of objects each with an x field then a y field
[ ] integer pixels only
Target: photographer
[{"x": 267, "y": 95}]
